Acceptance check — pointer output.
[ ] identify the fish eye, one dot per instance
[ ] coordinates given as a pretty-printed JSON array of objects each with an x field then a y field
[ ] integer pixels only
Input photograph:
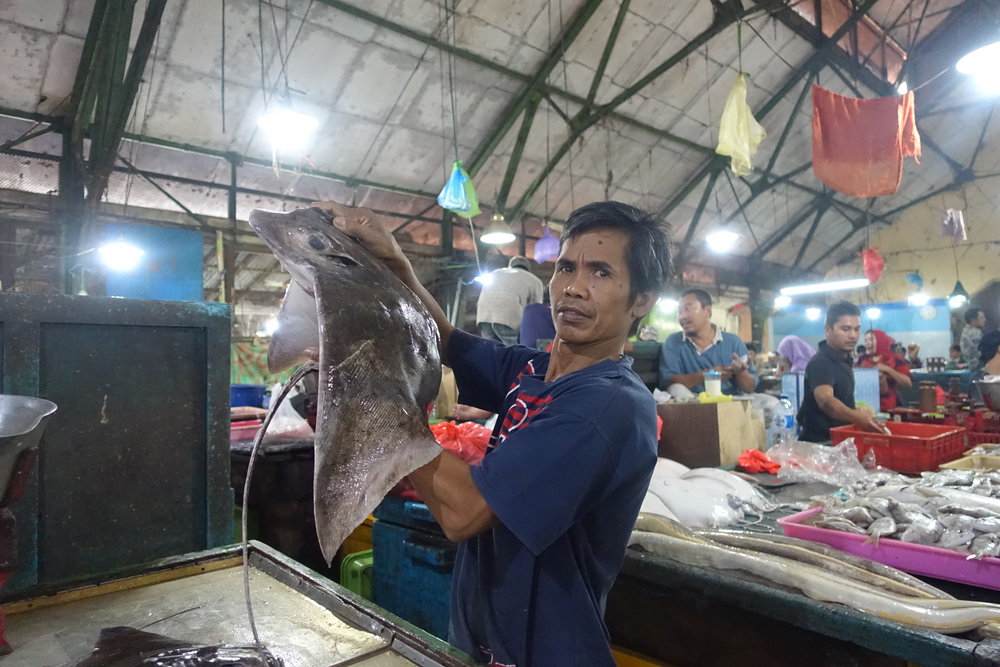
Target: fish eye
[{"x": 316, "y": 242}]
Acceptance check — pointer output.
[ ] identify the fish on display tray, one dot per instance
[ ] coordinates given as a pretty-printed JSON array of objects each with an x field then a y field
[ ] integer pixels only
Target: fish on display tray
[{"x": 123, "y": 646}]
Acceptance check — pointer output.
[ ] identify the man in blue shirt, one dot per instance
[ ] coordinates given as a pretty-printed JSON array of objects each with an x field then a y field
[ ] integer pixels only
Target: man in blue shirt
[
  {"x": 544, "y": 520},
  {"x": 701, "y": 346}
]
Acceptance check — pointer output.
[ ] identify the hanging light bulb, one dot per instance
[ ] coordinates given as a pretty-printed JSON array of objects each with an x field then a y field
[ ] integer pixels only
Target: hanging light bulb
[
  {"x": 547, "y": 247},
  {"x": 873, "y": 313},
  {"x": 918, "y": 299},
  {"x": 981, "y": 65},
  {"x": 813, "y": 313},
  {"x": 120, "y": 256},
  {"x": 721, "y": 241},
  {"x": 666, "y": 304},
  {"x": 287, "y": 130},
  {"x": 782, "y": 301},
  {"x": 497, "y": 232},
  {"x": 958, "y": 297}
]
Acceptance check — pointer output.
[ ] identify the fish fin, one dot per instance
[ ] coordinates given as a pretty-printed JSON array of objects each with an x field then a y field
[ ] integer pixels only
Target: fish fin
[
  {"x": 296, "y": 339},
  {"x": 365, "y": 444}
]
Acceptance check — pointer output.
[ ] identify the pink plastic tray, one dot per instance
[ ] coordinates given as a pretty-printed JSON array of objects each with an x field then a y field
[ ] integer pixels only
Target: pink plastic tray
[{"x": 914, "y": 558}]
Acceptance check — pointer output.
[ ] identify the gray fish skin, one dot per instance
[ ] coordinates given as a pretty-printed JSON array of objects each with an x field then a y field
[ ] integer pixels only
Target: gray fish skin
[
  {"x": 880, "y": 527},
  {"x": 985, "y": 545},
  {"x": 123, "y": 646},
  {"x": 379, "y": 367},
  {"x": 922, "y": 530},
  {"x": 955, "y": 538}
]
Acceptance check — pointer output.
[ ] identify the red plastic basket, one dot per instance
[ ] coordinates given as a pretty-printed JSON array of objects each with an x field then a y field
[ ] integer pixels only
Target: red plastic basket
[{"x": 912, "y": 448}]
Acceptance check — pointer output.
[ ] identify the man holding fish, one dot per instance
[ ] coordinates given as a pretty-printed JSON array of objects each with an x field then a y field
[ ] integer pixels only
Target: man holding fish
[{"x": 544, "y": 520}]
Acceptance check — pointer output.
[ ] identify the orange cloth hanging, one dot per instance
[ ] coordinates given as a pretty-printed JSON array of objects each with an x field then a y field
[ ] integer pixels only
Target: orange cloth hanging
[{"x": 859, "y": 144}]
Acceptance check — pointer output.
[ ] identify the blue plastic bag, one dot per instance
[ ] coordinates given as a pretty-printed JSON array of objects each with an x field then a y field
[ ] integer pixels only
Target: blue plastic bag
[{"x": 459, "y": 195}]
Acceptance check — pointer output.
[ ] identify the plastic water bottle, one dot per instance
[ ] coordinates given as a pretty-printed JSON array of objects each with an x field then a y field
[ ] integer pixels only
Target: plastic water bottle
[{"x": 783, "y": 422}]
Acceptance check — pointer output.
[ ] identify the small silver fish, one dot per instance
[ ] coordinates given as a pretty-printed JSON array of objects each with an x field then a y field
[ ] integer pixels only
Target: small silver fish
[
  {"x": 839, "y": 523},
  {"x": 985, "y": 545},
  {"x": 923, "y": 530},
  {"x": 961, "y": 522},
  {"x": 954, "y": 538},
  {"x": 881, "y": 527}
]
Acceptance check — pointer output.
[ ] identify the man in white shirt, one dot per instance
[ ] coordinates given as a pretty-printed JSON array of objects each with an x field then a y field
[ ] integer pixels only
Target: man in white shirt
[{"x": 504, "y": 296}]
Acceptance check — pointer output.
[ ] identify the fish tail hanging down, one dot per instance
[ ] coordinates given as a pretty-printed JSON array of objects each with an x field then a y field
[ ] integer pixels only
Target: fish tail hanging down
[{"x": 366, "y": 442}]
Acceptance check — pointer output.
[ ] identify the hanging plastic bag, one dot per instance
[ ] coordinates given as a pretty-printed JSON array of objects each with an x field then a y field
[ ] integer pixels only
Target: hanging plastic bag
[
  {"x": 873, "y": 264},
  {"x": 739, "y": 132},
  {"x": 467, "y": 440},
  {"x": 459, "y": 195}
]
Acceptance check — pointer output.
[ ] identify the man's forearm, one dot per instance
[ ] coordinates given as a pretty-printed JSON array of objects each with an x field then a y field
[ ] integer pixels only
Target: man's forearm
[
  {"x": 836, "y": 409},
  {"x": 445, "y": 485},
  {"x": 746, "y": 382},
  {"x": 689, "y": 380}
]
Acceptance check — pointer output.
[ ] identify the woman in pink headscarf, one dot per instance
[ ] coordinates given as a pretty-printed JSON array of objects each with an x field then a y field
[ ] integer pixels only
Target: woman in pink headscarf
[
  {"x": 893, "y": 369},
  {"x": 796, "y": 352}
]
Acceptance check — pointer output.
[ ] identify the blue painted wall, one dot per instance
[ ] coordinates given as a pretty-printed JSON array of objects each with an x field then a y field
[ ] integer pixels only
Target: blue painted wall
[
  {"x": 171, "y": 269},
  {"x": 929, "y": 327}
]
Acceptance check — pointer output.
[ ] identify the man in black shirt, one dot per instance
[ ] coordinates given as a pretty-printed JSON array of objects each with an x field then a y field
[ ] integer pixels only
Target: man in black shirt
[{"x": 828, "y": 395}]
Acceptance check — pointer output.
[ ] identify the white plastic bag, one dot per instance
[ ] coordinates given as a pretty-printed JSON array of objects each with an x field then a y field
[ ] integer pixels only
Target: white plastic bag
[
  {"x": 809, "y": 462},
  {"x": 739, "y": 132},
  {"x": 286, "y": 424}
]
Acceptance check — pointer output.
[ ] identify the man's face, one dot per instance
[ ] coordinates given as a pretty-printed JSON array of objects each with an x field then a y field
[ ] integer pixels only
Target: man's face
[
  {"x": 955, "y": 354},
  {"x": 693, "y": 316},
  {"x": 980, "y": 321},
  {"x": 590, "y": 290},
  {"x": 843, "y": 336}
]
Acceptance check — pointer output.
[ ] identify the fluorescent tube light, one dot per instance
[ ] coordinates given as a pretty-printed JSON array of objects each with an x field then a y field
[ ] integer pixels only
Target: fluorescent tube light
[{"x": 830, "y": 286}]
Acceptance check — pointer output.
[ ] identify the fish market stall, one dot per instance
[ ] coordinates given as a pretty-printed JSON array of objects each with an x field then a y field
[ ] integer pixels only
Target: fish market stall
[
  {"x": 690, "y": 602},
  {"x": 302, "y": 618}
]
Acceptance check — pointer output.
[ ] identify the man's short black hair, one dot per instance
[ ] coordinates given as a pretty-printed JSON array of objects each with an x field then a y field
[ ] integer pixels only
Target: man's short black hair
[
  {"x": 752, "y": 347},
  {"x": 647, "y": 253},
  {"x": 971, "y": 314},
  {"x": 840, "y": 309},
  {"x": 956, "y": 348},
  {"x": 704, "y": 298}
]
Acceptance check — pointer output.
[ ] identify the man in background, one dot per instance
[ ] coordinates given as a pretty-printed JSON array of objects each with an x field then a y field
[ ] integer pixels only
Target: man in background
[
  {"x": 701, "y": 347},
  {"x": 975, "y": 320},
  {"x": 828, "y": 392},
  {"x": 505, "y": 294}
]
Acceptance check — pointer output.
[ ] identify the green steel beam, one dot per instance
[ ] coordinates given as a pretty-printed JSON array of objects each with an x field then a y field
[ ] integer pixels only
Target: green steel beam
[
  {"x": 477, "y": 59},
  {"x": 606, "y": 54},
  {"x": 522, "y": 101},
  {"x": 518, "y": 150},
  {"x": 811, "y": 65},
  {"x": 806, "y": 87},
  {"x": 695, "y": 219},
  {"x": 587, "y": 117},
  {"x": 123, "y": 83},
  {"x": 772, "y": 242},
  {"x": 821, "y": 210}
]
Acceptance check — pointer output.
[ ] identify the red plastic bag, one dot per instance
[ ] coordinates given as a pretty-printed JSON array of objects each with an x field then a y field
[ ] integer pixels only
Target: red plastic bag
[
  {"x": 754, "y": 460},
  {"x": 467, "y": 440}
]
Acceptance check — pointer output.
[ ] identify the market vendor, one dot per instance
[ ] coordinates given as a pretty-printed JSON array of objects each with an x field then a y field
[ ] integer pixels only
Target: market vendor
[
  {"x": 700, "y": 347},
  {"x": 545, "y": 519},
  {"x": 828, "y": 391},
  {"x": 893, "y": 371}
]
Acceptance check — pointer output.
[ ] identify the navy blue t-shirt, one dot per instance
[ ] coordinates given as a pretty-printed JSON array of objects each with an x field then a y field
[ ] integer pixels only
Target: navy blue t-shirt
[{"x": 565, "y": 473}]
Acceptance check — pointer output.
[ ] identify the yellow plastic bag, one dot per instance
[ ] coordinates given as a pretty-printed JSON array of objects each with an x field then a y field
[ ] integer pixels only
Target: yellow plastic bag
[{"x": 739, "y": 133}]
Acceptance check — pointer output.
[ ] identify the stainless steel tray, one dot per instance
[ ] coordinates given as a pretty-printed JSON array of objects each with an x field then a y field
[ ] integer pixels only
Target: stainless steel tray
[{"x": 303, "y": 618}]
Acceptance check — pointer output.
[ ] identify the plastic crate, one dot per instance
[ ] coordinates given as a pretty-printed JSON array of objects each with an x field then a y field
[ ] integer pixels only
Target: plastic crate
[
  {"x": 912, "y": 448},
  {"x": 246, "y": 394},
  {"x": 356, "y": 573}
]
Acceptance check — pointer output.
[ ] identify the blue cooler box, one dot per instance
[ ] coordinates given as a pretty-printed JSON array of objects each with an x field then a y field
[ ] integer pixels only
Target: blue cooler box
[{"x": 413, "y": 563}]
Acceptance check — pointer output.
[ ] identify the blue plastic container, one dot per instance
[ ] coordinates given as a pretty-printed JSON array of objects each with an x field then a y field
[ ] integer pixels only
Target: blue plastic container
[
  {"x": 411, "y": 574},
  {"x": 246, "y": 394}
]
